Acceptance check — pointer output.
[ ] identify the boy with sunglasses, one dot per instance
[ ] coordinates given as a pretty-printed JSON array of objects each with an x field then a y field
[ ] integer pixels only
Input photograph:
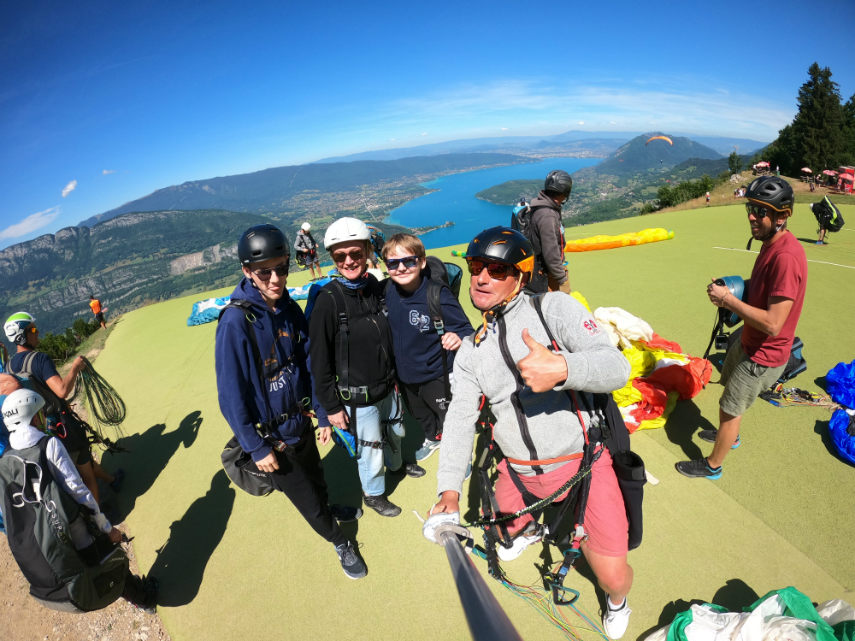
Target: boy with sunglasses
[
  {"x": 540, "y": 428},
  {"x": 417, "y": 345},
  {"x": 264, "y": 386},
  {"x": 770, "y": 314}
]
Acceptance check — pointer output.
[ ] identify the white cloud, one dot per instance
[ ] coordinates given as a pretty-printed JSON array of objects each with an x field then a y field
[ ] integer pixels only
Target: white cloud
[
  {"x": 581, "y": 122},
  {"x": 424, "y": 133},
  {"x": 107, "y": 172},
  {"x": 70, "y": 187},
  {"x": 30, "y": 224}
]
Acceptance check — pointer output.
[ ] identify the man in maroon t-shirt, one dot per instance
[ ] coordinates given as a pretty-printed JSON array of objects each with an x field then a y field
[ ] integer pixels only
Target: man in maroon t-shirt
[{"x": 770, "y": 312}]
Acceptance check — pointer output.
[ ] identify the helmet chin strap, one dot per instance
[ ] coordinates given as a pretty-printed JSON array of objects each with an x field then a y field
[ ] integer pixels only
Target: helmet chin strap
[
  {"x": 494, "y": 312},
  {"x": 768, "y": 236}
]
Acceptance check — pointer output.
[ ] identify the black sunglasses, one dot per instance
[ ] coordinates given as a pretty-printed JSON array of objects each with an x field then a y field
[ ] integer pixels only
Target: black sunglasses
[
  {"x": 761, "y": 211},
  {"x": 497, "y": 271},
  {"x": 264, "y": 274},
  {"x": 407, "y": 261}
]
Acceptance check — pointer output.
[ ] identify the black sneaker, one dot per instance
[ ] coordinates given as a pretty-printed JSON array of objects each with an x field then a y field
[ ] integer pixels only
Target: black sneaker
[
  {"x": 698, "y": 469},
  {"x": 345, "y": 513},
  {"x": 414, "y": 470},
  {"x": 353, "y": 566},
  {"x": 381, "y": 505},
  {"x": 141, "y": 592},
  {"x": 709, "y": 437}
]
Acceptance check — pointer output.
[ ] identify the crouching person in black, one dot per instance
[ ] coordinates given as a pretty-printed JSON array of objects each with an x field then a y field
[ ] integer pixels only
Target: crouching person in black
[
  {"x": 265, "y": 388},
  {"x": 66, "y": 548}
]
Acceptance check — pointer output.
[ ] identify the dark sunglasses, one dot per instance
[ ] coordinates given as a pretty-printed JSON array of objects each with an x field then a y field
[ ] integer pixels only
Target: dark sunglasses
[
  {"x": 356, "y": 255},
  {"x": 264, "y": 274},
  {"x": 497, "y": 271},
  {"x": 407, "y": 261},
  {"x": 761, "y": 211}
]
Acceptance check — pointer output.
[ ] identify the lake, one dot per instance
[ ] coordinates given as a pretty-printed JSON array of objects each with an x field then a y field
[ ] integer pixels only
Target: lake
[{"x": 455, "y": 200}]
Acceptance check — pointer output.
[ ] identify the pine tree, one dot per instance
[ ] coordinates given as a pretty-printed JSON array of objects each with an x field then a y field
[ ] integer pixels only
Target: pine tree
[
  {"x": 818, "y": 127},
  {"x": 849, "y": 131},
  {"x": 734, "y": 162}
]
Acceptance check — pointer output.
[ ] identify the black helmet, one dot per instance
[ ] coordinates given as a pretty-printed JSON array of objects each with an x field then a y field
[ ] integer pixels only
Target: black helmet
[
  {"x": 773, "y": 191},
  {"x": 503, "y": 245},
  {"x": 558, "y": 182},
  {"x": 262, "y": 242}
]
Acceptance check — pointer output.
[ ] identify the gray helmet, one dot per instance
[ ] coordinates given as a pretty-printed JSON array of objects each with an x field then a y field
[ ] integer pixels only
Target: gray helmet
[
  {"x": 261, "y": 243},
  {"x": 558, "y": 182},
  {"x": 773, "y": 191}
]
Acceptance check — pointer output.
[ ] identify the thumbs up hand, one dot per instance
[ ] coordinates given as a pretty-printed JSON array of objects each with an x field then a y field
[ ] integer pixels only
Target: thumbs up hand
[{"x": 542, "y": 369}]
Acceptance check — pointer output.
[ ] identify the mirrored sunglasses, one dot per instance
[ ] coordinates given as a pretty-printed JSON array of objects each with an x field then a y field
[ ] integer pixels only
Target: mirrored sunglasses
[
  {"x": 761, "y": 211},
  {"x": 355, "y": 255},
  {"x": 264, "y": 274},
  {"x": 497, "y": 271},
  {"x": 407, "y": 261}
]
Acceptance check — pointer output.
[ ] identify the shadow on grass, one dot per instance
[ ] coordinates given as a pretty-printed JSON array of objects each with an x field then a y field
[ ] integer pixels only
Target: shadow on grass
[
  {"x": 734, "y": 596},
  {"x": 682, "y": 424},
  {"x": 147, "y": 454},
  {"x": 181, "y": 561}
]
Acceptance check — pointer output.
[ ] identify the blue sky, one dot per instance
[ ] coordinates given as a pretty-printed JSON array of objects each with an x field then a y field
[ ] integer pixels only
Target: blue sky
[{"x": 105, "y": 102}]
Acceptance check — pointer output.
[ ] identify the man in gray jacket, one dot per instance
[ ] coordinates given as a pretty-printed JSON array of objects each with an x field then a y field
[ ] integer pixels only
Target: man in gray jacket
[
  {"x": 547, "y": 234},
  {"x": 538, "y": 426}
]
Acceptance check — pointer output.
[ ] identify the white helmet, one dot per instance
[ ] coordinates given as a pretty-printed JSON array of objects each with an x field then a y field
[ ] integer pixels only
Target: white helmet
[
  {"x": 20, "y": 407},
  {"x": 305, "y": 226},
  {"x": 16, "y": 327},
  {"x": 344, "y": 230}
]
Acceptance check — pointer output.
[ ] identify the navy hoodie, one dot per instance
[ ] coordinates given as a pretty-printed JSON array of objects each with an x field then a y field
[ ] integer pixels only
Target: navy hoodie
[{"x": 286, "y": 360}]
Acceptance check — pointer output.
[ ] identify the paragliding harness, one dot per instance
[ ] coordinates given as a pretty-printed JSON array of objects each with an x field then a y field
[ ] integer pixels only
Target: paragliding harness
[
  {"x": 605, "y": 429},
  {"x": 357, "y": 395},
  {"x": 61, "y": 420},
  {"x": 827, "y": 215},
  {"x": 306, "y": 241},
  {"x": 40, "y": 517}
]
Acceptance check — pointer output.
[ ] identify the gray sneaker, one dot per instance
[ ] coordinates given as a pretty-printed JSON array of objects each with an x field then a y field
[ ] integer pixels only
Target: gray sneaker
[
  {"x": 353, "y": 566},
  {"x": 427, "y": 448},
  {"x": 381, "y": 505}
]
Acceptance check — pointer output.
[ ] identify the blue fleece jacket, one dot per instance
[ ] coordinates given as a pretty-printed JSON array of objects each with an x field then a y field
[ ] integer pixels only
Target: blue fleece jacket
[{"x": 283, "y": 342}]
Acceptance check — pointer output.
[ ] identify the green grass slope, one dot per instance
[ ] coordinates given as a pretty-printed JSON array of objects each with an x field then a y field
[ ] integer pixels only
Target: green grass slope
[{"x": 235, "y": 566}]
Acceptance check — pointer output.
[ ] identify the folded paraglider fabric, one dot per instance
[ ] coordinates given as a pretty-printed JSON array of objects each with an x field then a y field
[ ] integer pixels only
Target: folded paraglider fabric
[
  {"x": 840, "y": 384},
  {"x": 841, "y": 428},
  {"x": 780, "y": 615}
]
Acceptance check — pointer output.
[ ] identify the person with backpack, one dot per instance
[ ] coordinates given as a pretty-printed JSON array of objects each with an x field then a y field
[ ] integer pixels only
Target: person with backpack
[
  {"x": 264, "y": 387},
  {"x": 307, "y": 250},
  {"x": 540, "y": 222},
  {"x": 428, "y": 325},
  {"x": 38, "y": 369},
  {"x": 541, "y": 426},
  {"x": 353, "y": 364},
  {"x": 42, "y": 521},
  {"x": 770, "y": 312}
]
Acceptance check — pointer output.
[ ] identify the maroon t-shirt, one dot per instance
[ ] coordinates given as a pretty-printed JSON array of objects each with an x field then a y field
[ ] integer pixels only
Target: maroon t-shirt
[{"x": 780, "y": 270}]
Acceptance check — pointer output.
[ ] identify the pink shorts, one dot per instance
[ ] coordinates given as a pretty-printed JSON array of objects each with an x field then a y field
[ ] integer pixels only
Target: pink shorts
[{"x": 605, "y": 516}]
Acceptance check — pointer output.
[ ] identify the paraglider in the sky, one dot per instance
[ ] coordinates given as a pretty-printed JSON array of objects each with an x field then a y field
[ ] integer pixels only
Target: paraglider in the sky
[{"x": 665, "y": 138}]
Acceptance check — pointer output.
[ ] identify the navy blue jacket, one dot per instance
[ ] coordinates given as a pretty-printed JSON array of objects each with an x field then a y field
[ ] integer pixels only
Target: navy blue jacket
[
  {"x": 283, "y": 342},
  {"x": 418, "y": 352}
]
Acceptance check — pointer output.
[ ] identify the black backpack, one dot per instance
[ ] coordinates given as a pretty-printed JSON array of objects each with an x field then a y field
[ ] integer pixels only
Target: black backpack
[
  {"x": 38, "y": 515},
  {"x": 441, "y": 274}
]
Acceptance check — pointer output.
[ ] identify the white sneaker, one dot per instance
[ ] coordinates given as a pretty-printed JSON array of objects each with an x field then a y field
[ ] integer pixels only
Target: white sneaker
[
  {"x": 529, "y": 536},
  {"x": 616, "y": 621}
]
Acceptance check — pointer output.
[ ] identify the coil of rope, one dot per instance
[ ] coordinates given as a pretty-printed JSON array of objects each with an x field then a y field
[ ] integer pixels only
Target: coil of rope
[{"x": 104, "y": 403}]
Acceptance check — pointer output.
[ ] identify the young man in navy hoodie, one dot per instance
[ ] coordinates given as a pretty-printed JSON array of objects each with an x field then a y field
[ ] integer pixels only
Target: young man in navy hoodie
[{"x": 268, "y": 410}]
